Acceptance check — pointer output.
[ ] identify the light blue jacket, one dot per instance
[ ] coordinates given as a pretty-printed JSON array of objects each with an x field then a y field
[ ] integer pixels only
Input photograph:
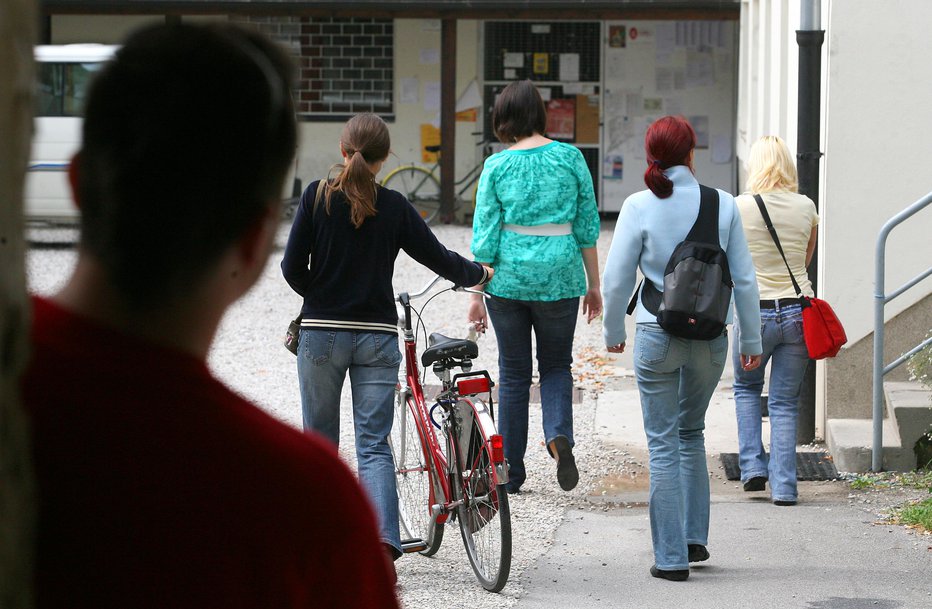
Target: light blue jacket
[{"x": 648, "y": 230}]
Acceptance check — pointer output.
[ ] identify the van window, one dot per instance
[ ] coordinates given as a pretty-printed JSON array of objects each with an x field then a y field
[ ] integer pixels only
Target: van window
[{"x": 63, "y": 87}]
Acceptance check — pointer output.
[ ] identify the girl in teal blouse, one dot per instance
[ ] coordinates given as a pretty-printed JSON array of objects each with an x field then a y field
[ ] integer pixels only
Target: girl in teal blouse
[{"x": 536, "y": 223}]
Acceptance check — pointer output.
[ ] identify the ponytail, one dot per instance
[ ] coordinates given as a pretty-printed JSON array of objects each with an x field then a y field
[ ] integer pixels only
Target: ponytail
[
  {"x": 357, "y": 184},
  {"x": 365, "y": 140},
  {"x": 668, "y": 142},
  {"x": 658, "y": 183}
]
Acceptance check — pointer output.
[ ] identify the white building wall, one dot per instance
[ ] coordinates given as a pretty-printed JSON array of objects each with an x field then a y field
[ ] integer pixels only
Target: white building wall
[
  {"x": 876, "y": 130},
  {"x": 878, "y": 152}
]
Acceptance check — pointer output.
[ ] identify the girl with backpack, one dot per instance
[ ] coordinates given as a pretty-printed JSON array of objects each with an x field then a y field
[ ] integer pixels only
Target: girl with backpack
[{"x": 676, "y": 376}]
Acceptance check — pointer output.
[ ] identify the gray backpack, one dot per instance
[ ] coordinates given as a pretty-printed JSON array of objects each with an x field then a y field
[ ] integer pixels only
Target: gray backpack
[{"x": 697, "y": 283}]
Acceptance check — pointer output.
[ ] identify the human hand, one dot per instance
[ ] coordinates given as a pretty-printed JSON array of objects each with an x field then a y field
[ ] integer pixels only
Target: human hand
[
  {"x": 477, "y": 315},
  {"x": 749, "y": 362},
  {"x": 619, "y": 348},
  {"x": 592, "y": 304}
]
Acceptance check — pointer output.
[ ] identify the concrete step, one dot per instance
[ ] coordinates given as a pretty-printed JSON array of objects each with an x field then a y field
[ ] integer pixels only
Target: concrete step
[
  {"x": 912, "y": 410},
  {"x": 850, "y": 440}
]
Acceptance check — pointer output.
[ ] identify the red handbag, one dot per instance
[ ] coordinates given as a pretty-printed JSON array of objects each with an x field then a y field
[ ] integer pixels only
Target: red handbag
[{"x": 822, "y": 330}]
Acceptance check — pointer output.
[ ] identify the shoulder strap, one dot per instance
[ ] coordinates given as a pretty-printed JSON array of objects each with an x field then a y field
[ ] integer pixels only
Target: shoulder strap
[
  {"x": 633, "y": 303},
  {"x": 776, "y": 240},
  {"x": 705, "y": 229},
  {"x": 321, "y": 186}
]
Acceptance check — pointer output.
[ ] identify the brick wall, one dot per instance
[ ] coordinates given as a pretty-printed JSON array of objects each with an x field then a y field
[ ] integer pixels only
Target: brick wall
[{"x": 346, "y": 64}]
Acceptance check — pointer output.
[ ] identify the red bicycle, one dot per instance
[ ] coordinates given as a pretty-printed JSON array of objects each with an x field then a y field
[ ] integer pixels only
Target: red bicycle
[{"x": 461, "y": 478}]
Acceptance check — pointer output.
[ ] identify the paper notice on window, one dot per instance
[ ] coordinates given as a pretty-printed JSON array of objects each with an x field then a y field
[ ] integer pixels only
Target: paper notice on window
[
  {"x": 514, "y": 60},
  {"x": 410, "y": 87},
  {"x": 569, "y": 66},
  {"x": 701, "y": 127},
  {"x": 615, "y": 67},
  {"x": 432, "y": 96},
  {"x": 721, "y": 149},
  {"x": 470, "y": 98},
  {"x": 664, "y": 79},
  {"x": 700, "y": 71},
  {"x": 429, "y": 56}
]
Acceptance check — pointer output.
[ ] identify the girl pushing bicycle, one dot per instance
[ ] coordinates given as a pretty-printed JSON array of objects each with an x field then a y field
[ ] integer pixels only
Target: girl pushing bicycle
[{"x": 340, "y": 258}]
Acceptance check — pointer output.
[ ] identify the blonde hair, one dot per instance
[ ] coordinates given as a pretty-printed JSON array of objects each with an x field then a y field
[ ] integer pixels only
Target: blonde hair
[{"x": 770, "y": 166}]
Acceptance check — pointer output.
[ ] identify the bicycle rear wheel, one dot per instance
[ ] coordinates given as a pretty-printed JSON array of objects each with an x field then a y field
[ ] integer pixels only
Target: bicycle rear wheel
[
  {"x": 419, "y": 186},
  {"x": 484, "y": 515},
  {"x": 414, "y": 476}
]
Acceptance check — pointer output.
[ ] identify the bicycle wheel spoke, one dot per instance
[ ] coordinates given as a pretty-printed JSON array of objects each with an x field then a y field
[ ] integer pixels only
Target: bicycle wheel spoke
[
  {"x": 485, "y": 519},
  {"x": 413, "y": 480},
  {"x": 419, "y": 186}
]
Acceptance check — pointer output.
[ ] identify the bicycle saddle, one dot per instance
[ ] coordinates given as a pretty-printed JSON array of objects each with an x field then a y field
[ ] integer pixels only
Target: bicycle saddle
[
  {"x": 442, "y": 347},
  {"x": 432, "y": 148}
]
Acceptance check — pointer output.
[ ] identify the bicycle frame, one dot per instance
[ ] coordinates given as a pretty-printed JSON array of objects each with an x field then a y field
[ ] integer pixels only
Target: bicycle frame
[
  {"x": 413, "y": 394},
  {"x": 447, "y": 467}
]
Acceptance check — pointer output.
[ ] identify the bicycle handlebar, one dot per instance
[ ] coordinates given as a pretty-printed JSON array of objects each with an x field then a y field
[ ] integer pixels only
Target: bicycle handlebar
[{"x": 431, "y": 283}]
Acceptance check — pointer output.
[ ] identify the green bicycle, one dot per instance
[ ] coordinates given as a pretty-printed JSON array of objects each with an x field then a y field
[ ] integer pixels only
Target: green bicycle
[{"x": 421, "y": 184}]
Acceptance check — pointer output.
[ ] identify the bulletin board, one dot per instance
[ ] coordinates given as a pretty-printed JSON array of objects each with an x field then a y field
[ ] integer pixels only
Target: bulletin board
[{"x": 655, "y": 68}]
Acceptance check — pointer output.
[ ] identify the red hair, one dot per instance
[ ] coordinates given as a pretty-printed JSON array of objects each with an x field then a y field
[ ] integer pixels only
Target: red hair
[{"x": 668, "y": 142}]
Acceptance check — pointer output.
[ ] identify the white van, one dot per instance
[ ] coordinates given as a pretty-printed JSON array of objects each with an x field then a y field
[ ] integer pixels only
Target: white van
[{"x": 63, "y": 74}]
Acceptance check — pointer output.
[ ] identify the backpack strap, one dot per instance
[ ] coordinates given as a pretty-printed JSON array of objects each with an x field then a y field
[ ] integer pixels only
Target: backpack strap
[
  {"x": 704, "y": 230},
  {"x": 776, "y": 240}
]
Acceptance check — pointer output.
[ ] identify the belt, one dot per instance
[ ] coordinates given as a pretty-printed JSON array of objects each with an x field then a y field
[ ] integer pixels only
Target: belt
[
  {"x": 780, "y": 303},
  {"x": 540, "y": 230}
]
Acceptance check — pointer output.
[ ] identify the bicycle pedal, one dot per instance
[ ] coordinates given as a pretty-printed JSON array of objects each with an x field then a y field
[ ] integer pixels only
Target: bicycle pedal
[{"x": 409, "y": 546}]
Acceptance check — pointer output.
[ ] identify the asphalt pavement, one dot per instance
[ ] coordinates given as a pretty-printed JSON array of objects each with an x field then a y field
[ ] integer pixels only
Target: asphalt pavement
[{"x": 830, "y": 551}]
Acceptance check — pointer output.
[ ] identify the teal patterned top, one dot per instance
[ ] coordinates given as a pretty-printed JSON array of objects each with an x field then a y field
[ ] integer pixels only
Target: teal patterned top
[{"x": 547, "y": 184}]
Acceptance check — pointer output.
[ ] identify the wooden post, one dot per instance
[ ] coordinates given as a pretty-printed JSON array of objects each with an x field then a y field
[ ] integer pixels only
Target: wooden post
[
  {"x": 447, "y": 119},
  {"x": 19, "y": 22}
]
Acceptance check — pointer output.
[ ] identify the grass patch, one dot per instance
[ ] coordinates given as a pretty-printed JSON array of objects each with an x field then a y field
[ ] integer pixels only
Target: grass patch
[
  {"x": 916, "y": 479},
  {"x": 917, "y": 515}
]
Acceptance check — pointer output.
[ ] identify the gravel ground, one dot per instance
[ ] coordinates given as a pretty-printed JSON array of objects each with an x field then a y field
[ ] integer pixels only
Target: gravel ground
[{"x": 248, "y": 355}]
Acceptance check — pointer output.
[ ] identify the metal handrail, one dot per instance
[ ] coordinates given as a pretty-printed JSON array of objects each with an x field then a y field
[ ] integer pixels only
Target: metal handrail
[{"x": 880, "y": 301}]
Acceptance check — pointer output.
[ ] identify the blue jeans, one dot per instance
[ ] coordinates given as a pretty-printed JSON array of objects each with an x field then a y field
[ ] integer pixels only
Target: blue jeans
[
  {"x": 785, "y": 349},
  {"x": 554, "y": 324},
  {"x": 676, "y": 378},
  {"x": 372, "y": 359}
]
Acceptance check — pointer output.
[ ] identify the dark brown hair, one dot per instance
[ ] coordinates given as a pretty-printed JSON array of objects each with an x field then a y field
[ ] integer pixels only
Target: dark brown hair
[
  {"x": 188, "y": 135},
  {"x": 668, "y": 142},
  {"x": 519, "y": 112},
  {"x": 365, "y": 140}
]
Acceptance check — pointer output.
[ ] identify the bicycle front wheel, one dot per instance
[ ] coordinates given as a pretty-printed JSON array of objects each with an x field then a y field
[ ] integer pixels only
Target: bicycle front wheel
[
  {"x": 484, "y": 514},
  {"x": 414, "y": 477},
  {"x": 419, "y": 186}
]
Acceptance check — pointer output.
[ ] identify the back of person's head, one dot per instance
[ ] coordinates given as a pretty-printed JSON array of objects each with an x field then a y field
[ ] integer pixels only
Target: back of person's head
[
  {"x": 188, "y": 135},
  {"x": 770, "y": 166},
  {"x": 519, "y": 112},
  {"x": 365, "y": 140},
  {"x": 669, "y": 142}
]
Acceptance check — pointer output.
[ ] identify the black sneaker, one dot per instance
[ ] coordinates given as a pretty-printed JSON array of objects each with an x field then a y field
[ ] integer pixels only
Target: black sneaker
[
  {"x": 783, "y": 502},
  {"x": 697, "y": 553},
  {"x": 567, "y": 474},
  {"x": 679, "y": 575},
  {"x": 757, "y": 483}
]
